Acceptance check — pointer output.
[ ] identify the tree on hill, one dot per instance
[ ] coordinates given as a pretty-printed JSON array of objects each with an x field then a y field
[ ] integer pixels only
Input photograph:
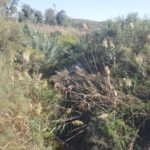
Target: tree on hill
[
  {"x": 61, "y": 18},
  {"x": 50, "y": 16},
  {"x": 132, "y": 17},
  {"x": 26, "y": 13},
  {"x": 38, "y": 16}
]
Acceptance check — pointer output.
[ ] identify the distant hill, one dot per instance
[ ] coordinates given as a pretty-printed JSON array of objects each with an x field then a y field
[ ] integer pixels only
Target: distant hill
[{"x": 78, "y": 23}]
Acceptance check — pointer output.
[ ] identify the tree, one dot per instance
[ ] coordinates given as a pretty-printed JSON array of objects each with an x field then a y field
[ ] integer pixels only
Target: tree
[
  {"x": 38, "y": 17},
  {"x": 9, "y": 7},
  {"x": 132, "y": 17},
  {"x": 61, "y": 17},
  {"x": 50, "y": 16},
  {"x": 26, "y": 13}
]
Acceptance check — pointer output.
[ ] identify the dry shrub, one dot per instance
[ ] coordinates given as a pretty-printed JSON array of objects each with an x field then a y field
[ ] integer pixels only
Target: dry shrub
[{"x": 20, "y": 108}]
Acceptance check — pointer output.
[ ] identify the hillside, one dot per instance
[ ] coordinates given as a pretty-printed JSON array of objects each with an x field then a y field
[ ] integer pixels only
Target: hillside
[
  {"x": 92, "y": 25},
  {"x": 66, "y": 88}
]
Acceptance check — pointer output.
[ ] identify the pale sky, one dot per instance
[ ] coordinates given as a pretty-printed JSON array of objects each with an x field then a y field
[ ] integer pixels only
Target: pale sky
[{"x": 98, "y": 10}]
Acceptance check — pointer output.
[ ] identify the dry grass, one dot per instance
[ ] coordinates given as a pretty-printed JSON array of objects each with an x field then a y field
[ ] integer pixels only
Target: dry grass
[
  {"x": 14, "y": 109},
  {"x": 50, "y": 29},
  {"x": 18, "y": 110}
]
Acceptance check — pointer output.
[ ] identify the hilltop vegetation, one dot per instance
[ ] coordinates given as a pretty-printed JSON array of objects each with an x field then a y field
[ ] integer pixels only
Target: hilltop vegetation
[{"x": 70, "y": 87}]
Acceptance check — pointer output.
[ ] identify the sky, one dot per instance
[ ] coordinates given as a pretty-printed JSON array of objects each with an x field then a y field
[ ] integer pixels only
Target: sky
[{"x": 98, "y": 10}]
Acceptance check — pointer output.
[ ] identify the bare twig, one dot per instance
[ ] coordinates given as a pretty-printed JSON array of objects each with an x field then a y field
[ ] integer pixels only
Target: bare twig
[
  {"x": 131, "y": 145},
  {"x": 74, "y": 136}
]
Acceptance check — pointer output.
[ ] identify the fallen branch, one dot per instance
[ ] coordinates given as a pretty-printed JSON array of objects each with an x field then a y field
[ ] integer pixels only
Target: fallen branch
[
  {"x": 131, "y": 145},
  {"x": 74, "y": 135}
]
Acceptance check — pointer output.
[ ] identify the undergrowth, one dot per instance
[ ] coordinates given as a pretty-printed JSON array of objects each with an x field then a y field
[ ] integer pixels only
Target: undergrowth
[{"x": 62, "y": 89}]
